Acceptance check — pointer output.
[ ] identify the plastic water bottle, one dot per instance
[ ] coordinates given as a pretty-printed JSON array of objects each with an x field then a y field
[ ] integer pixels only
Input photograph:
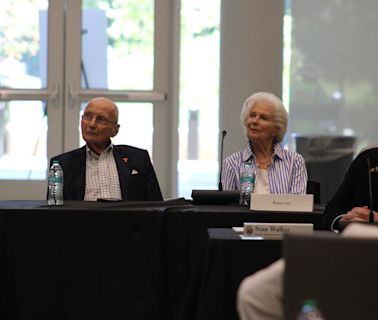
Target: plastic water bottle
[
  {"x": 247, "y": 183},
  {"x": 55, "y": 182},
  {"x": 310, "y": 311}
]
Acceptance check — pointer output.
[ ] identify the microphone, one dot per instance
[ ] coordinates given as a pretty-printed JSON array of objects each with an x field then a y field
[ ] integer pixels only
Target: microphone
[
  {"x": 220, "y": 187},
  {"x": 215, "y": 196},
  {"x": 371, "y": 214}
]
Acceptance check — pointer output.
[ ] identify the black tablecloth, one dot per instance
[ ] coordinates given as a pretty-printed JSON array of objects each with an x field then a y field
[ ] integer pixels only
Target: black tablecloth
[
  {"x": 185, "y": 239},
  {"x": 227, "y": 261},
  {"x": 116, "y": 260},
  {"x": 81, "y": 261}
]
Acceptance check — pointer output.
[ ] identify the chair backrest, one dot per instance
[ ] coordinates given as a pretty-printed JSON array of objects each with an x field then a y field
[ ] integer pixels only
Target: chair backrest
[
  {"x": 340, "y": 273},
  {"x": 329, "y": 171},
  {"x": 313, "y": 187}
]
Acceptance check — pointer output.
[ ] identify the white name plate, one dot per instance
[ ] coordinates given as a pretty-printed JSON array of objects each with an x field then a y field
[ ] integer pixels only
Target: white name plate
[
  {"x": 275, "y": 230},
  {"x": 282, "y": 202}
]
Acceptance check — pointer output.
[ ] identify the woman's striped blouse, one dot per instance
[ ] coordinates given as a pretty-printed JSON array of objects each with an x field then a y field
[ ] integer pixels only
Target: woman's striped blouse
[{"x": 287, "y": 173}]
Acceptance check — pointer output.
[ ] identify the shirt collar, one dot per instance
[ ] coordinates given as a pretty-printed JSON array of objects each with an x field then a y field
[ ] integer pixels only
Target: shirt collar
[
  {"x": 247, "y": 153},
  {"x": 93, "y": 154},
  {"x": 277, "y": 151}
]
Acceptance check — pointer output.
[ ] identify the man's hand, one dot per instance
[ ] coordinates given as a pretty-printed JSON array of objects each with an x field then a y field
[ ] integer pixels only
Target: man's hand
[{"x": 359, "y": 214}]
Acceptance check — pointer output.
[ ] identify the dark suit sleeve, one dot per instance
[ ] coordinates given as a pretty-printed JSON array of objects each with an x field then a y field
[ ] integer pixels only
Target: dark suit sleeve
[
  {"x": 340, "y": 203},
  {"x": 137, "y": 176},
  {"x": 353, "y": 191},
  {"x": 73, "y": 165},
  {"x": 154, "y": 192}
]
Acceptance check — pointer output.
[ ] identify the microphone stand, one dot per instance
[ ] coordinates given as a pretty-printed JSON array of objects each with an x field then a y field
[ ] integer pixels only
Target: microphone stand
[
  {"x": 220, "y": 187},
  {"x": 371, "y": 214}
]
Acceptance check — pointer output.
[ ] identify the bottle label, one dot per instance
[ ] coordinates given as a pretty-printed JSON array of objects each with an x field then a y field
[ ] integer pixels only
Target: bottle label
[
  {"x": 244, "y": 179},
  {"x": 55, "y": 179}
]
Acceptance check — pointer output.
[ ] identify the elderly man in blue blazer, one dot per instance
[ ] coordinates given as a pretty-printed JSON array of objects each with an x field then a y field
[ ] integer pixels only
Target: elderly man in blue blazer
[{"x": 101, "y": 170}]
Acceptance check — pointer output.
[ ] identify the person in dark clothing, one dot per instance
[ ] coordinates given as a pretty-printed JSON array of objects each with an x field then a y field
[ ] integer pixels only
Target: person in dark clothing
[{"x": 101, "y": 170}]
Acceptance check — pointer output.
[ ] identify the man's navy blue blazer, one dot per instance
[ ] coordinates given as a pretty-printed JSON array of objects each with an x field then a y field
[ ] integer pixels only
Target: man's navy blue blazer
[{"x": 137, "y": 176}]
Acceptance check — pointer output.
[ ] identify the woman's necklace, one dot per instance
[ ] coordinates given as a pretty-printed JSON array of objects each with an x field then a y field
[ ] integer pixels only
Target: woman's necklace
[
  {"x": 265, "y": 164},
  {"x": 262, "y": 164}
]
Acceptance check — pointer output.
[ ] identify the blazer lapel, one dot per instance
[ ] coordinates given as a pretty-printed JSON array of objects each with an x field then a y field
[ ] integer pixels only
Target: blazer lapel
[
  {"x": 78, "y": 165},
  {"x": 122, "y": 161}
]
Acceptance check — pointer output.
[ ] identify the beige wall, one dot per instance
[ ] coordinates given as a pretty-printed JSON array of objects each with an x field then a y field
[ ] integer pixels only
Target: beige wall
[{"x": 250, "y": 61}]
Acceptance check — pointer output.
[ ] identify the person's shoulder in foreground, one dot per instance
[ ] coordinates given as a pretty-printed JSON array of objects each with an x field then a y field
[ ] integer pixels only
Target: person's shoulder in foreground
[
  {"x": 260, "y": 295},
  {"x": 351, "y": 202}
]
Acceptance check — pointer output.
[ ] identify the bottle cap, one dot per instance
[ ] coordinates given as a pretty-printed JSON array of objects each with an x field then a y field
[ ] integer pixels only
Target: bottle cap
[{"x": 310, "y": 302}]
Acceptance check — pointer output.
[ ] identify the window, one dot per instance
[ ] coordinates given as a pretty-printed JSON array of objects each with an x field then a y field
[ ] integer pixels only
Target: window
[
  {"x": 23, "y": 124},
  {"x": 199, "y": 96},
  {"x": 330, "y": 73}
]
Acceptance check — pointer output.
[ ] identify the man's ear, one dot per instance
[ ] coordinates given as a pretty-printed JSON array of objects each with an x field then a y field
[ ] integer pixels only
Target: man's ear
[{"x": 115, "y": 130}]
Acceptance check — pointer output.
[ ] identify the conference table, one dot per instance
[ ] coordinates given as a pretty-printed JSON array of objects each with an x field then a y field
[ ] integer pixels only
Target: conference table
[
  {"x": 228, "y": 260},
  {"x": 114, "y": 260},
  {"x": 80, "y": 261}
]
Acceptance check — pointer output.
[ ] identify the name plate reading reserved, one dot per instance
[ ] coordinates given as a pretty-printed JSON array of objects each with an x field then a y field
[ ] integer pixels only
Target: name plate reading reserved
[
  {"x": 275, "y": 230},
  {"x": 282, "y": 202}
]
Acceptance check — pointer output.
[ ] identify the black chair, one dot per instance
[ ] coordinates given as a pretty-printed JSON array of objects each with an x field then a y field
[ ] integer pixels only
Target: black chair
[
  {"x": 313, "y": 187},
  {"x": 340, "y": 273},
  {"x": 329, "y": 171}
]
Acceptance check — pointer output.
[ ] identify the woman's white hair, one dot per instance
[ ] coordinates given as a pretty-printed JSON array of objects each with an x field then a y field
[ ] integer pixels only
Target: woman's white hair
[{"x": 280, "y": 116}]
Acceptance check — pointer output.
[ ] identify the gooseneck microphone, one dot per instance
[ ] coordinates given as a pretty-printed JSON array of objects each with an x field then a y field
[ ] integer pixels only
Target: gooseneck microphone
[
  {"x": 220, "y": 187},
  {"x": 219, "y": 196},
  {"x": 371, "y": 214}
]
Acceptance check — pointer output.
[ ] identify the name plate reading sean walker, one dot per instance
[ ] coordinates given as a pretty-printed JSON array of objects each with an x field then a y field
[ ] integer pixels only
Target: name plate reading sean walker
[
  {"x": 275, "y": 230},
  {"x": 282, "y": 202}
]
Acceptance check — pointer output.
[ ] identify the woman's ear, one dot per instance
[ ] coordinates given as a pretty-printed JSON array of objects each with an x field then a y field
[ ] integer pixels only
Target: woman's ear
[{"x": 275, "y": 132}]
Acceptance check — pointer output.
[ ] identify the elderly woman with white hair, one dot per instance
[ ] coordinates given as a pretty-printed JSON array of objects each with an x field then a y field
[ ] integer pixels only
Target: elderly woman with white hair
[{"x": 277, "y": 170}]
